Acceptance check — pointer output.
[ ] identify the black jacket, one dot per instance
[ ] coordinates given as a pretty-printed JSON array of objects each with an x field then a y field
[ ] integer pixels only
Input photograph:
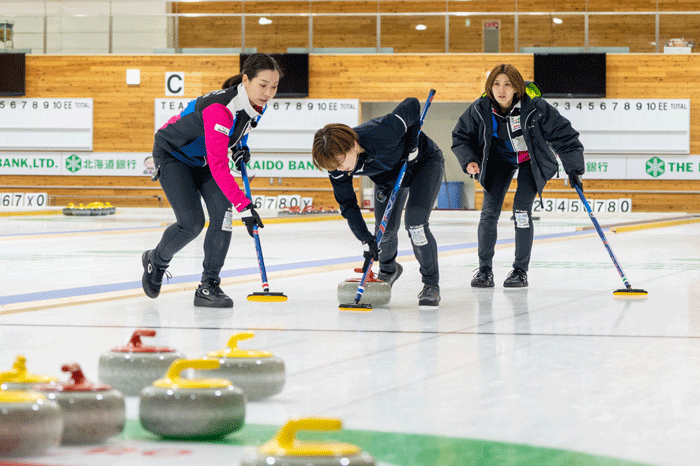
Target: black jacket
[
  {"x": 545, "y": 130},
  {"x": 386, "y": 142}
]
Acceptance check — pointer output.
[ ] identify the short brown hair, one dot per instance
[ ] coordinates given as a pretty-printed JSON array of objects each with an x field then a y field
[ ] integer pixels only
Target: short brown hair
[
  {"x": 516, "y": 79},
  {"x": 332, "y": 140}
]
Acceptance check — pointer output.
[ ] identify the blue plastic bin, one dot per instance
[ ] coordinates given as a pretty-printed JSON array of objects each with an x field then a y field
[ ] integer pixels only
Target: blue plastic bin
[{"x": 451, "y": 195}]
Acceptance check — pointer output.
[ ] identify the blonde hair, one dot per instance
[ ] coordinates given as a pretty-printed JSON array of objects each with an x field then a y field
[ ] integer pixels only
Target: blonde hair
[
  {"x": 516, "y": 79},
  {"x": 332, "y": 140}
]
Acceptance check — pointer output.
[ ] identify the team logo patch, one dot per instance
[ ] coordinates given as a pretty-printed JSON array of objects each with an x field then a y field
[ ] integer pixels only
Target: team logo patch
[{"x": 222, "y": 129}]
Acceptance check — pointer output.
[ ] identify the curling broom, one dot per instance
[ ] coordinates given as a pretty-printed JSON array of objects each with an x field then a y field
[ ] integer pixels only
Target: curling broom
[
  {"x": 266, "y": 295},
  {"x": 628, "y": 290},
  {"x": 356, "y": 306}
]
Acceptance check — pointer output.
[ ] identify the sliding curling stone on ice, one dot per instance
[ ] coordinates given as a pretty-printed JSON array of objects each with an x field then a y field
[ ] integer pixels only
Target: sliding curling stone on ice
[
  {"x": 259, "y": 374},
  {"x": 91, "y": 412},
  {"x": 132, "y": 367},
  {"x": 19, "y": 378},
  {"x": 285, "y": 449},
  {"x": 377, "y": 293},
  {"x": 30, "y": 424},
  {"x": 175, "y": 407}
]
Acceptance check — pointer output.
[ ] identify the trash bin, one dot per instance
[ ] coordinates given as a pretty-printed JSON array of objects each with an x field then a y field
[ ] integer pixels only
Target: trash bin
[{"x": 451, "y": 195}]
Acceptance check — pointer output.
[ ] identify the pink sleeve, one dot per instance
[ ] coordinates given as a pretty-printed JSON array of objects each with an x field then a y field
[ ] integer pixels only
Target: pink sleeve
[{"x": 217, "y": 124}]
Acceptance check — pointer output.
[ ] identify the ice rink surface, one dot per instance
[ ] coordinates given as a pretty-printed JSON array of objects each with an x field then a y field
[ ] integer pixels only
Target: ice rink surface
[{"x": 562, "y": 372}]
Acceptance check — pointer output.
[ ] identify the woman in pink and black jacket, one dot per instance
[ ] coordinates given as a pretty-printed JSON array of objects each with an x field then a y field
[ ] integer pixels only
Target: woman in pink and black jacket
[{"x": 191, "y": 153}]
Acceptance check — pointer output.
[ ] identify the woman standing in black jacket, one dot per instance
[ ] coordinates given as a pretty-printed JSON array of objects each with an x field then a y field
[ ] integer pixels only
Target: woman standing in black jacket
[{"x": 511, "y": 127}]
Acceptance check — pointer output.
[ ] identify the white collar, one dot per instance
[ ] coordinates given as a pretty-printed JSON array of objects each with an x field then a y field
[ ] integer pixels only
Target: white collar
[{"x": 242, "y": 102}]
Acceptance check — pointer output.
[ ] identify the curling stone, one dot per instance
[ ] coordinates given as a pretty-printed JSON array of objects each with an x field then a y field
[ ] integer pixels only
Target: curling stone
[
  {"x": 132, "y": 367},
  {"x": 258, "y": 373},
  {"x": 81, "y": 211},
  {"x": 286, "y": 450},
  {"x": 111, "y": 210},
  {"x": 91, "y": 413},
  {"x": 19, "y": 378},
  {"x": 192, "y": 408},
  {"x": 377, "y": 292},
  {"x": 30, "y": 423},
  {"x": 68, "y": 210}
]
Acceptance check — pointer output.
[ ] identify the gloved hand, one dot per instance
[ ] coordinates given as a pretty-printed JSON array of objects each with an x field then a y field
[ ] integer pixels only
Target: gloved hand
[
  {"x": 575, "y": 179},
  {"x": 371, "y": 251},
  {"x": 240, "y": 155},
  {"x": 251, "y": 219}
]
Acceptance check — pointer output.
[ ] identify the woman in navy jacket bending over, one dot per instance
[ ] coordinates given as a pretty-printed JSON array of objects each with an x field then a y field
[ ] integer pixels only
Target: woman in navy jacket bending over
[
  {"x": 192, "y": 163},
  {"x": 511, "y": 127},
  {"x": 378, "y": 149}
]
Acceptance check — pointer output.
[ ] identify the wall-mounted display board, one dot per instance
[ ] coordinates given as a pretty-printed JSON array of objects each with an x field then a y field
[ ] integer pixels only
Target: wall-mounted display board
[
  {"x": 629, "y": 126},
  {"x": 46, "y": 124},
  {"x": 288, "y": 125}
]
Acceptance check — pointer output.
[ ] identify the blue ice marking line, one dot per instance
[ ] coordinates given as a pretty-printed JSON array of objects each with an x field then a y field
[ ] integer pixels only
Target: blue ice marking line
[
  {"x": 74, "y": 232},
  {"x": 112, "y": 287}
]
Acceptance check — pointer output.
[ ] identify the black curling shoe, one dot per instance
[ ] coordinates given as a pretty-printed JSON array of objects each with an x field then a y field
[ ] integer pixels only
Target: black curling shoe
[
  {"x": 209, "y": 294},
  {"x": 517, "y": 278},
  {"x": 430, "y": 296},
  {"x": 152, "y": 278},
  {"x": 390, "y": 277},
  {"x": 483, "y": 278}
]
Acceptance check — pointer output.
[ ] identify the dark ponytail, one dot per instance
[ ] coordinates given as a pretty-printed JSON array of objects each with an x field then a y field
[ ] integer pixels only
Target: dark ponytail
[{"x": 254, "y": 64}]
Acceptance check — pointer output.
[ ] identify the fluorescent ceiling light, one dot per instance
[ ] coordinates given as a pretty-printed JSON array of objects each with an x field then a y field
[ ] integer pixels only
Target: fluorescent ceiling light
[
  {"x": 421, "y": 27},
  {"x": 557, "y": 21},
  {"x": 264, "y": 20}
]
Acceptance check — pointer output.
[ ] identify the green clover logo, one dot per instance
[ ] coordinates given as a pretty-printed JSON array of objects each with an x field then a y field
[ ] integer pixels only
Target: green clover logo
[
  {"x": 73, "y": 163},
  {"x": 656, "y": 167}
]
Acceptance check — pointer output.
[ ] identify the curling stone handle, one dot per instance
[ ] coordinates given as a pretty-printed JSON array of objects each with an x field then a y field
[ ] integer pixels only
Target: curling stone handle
[
  {"x": 180, "y": 365},
  {"x": 20, "y": 364},
  {"x": 135, "y": 341},
  {"x": 233, "y": 341},
  {"x": 285, "y": 437},
  {"x": 76, "y": 373}
]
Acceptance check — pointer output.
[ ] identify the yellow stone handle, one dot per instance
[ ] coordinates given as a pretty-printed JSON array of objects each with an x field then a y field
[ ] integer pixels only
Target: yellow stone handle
[
  {"x": 172, "y": 377},
  {"x": 180, "y": 365},
  {"x": 286, "y": 436},
  {"x": 285, "y": 443},
  {"x": 232, "y": 350},
  {"x": 233, "y": 341}
]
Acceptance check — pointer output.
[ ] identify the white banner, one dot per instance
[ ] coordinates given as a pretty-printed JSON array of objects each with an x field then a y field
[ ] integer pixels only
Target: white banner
[
  {"x": 288, "y": 124},
  {"x": 46, "y": 124},
  {"x": 70, "y": 163},
  {"x": 140, "y": 164}
]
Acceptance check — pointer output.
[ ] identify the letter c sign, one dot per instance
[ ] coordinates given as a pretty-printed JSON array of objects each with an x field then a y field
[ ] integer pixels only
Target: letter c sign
[{"x": 175, "y": 83}]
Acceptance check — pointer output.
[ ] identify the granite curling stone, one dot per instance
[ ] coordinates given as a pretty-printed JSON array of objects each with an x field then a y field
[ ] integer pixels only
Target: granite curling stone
[
  {"x": 91, "y": 412},
  {"x": 19, "y": 378},
  {"x": 377, "y": 292},
  {"x": 176, "y": 407},
  {"x": 133, "y": 367},
  {"x": 30, "y": 423},
  {"x": 260, "y": 374},
  {"x": 285, "y": 449}
]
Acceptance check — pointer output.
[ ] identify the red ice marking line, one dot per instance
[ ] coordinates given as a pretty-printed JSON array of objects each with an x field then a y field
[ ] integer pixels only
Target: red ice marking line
[{"x": 151, "y": 452}]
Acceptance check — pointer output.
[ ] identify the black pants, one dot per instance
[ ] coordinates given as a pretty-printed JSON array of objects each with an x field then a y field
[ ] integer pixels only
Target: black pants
[
  {"x": 184, "y": 187},
  {"x": 499, "y": 178},
  {"x": 423, "y": 181}
]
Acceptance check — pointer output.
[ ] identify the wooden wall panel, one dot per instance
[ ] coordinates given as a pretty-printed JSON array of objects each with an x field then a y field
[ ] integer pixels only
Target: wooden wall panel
[
  {"x": 399, "y": 33},
  {"x": 634, "y": 31},
  {"x": 541, "y": 31},
  {"x": 215, "y": 32},
  {"x": 356, "y": 31},
  {"x": 284, "y": 32}
]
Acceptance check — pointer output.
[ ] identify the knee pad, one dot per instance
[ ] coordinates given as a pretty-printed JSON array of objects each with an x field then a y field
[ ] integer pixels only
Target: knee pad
[
  {"x": 522, "y": 219},
  {"x": 417, "y": 234}
]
